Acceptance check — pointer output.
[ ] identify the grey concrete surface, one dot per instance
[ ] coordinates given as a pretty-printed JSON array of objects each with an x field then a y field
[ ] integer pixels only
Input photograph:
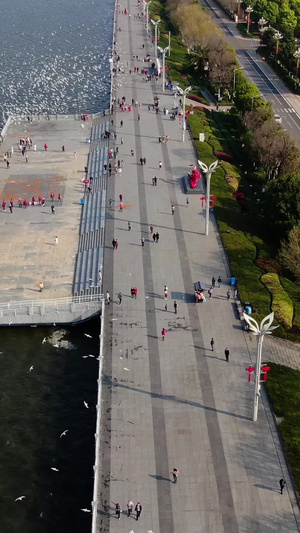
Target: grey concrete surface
[
  {"x": 27, "y": 245},
  {"x": 175, "y": 403}
]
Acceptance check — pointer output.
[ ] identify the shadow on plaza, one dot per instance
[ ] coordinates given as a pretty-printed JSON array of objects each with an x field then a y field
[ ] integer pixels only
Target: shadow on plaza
[{"x": 108, "y": 382}]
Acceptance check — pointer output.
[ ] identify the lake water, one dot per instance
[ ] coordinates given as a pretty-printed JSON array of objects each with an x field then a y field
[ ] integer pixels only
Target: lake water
[{"x": 54, "y": 59}]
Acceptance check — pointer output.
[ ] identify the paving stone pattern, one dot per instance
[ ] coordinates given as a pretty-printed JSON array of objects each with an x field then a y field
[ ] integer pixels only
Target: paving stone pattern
[{"x": 175, "y": 403}]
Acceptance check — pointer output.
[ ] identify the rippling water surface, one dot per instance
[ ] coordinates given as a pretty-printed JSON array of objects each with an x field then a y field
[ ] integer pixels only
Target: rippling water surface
[
  {"x": 53, "y": 59},
  {"x": 54, "y": 55}
]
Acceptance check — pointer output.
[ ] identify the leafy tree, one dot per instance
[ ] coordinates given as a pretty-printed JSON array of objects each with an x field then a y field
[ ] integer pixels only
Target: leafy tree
[
  {"x": 254, "y": 120},
  {"x": 268, "y": 40},
  {"x": 287, "y": 20},
  {"x": 290, "y": 252},
  {"x": 266, "y": 9},
  {"x": 283, "y": 203}
]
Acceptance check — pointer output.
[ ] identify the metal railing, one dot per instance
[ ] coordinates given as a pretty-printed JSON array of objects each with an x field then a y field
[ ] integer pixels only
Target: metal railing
[{"x": 55, "y": 302}]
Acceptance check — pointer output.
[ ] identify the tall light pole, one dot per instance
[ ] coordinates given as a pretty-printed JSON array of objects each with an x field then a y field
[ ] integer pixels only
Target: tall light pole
[
  {"x": 155, "y": 24},
  {"x": 265, "y": 328},
  {"x": 163, "y": 51},
  {"x": 297, "y": 57},
  {"x": 183, "y": 92},
  {"x": 234, "y": 71},
  {"x": 248, "y": 11},
  {"x": 252, "y": 99},
  {"x": 147, "y": 14},
  {"x": 208, "y": 171},
  {"x": 262, "y": 22},
  {"x": 278, "y": 36},
  {"x": 238, "y": 9}
]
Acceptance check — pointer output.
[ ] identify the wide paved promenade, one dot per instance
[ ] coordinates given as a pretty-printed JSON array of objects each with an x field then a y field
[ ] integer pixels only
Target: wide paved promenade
[
  {"x": 175, "y": 403},
  {"x": 27, "y": 245}
]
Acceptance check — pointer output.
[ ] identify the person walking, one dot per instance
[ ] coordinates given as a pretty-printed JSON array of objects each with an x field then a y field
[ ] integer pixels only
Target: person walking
[
  {"x": 175, "y": 474},
  {"x": 160, "y": 164},
  {"x": 219, "y": 281},
  {"x": 154, "y": 237},
  {"x": 138, "y": 510},
  {"x": 166, "y": 292},
  {"x": 107, "y": 298},
  {"x": 129, "y": 507},
  {"x": 228, "y": 294},
  {"x": 129, "y": 226},
  {"x": 121, "y": 206},
  {"x": 163, "y": 333},
  {"x": 157, "y": 237},
  {"x": 143, "y": 241},
  {"x": 121, "y": 197},
  {"x": 122, "y": 141},
  {"x": 120, "y": 298},
  {"x": 110, "y": 203},
  {"x": 118, "y": 511},
  {"x": 213, "y": 282},
  {"x": 173, "y": 209},
  {"x": 151, "y": 228},
  {"x": 56, "y": 240},
  {"x": 210, "y": 291},
  {"x": 212, "y": 344},
  {"x": 226, "y": 351},
  {"x": 135, "y": 292},
  {"x": 144, "y": 161},
  {"x": 141, "y": 161},
  {"x": 282, "y": 484},
  {"x": 175, "y": 307},
  {"x": 41, "y": 286},
  {"x": 121, "y": 124},
  {"x": 187, "y": 201}
]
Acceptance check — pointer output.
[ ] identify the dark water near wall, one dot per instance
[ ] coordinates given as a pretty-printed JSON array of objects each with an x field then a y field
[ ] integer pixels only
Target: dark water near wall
[
  {"x": 36, "y": 406},
  {"x": 53, "y": 59},
  {"x": 54, "y": 55}
]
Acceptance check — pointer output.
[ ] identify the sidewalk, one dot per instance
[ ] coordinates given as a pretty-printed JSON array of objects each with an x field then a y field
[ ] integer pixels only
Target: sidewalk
[{"x": 174, "y": 403}]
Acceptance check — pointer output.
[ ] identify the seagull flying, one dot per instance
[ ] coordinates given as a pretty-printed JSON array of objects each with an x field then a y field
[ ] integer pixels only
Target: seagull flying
[
  {"x": 44, "y": 340},
  {"x": 31, "y": 368},
  {"x": 89, "y": 336},
  {"x": 126, "y": 369},
  {"x": 55, "y": 345},
  {"x": 20, "y": 498},
  {"x": 91, "y": 355},
  {"x": 63, "y": 433},
  {"x": 86, "y": 510},
  {"x": 54, "y": 469},
  {"x": 84, "y": 356},
  {"x": 86, "y": 405}
]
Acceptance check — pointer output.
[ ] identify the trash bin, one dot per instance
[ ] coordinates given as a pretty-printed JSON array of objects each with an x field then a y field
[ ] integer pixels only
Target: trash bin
[
  {"x": 248, "y": 308},
  {"x": 82, "y": 201},
  {"x": 232, "y": 281}
]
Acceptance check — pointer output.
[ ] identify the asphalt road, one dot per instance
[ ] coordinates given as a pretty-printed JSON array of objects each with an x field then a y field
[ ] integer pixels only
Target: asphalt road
[{"x": 285, "y": 104}]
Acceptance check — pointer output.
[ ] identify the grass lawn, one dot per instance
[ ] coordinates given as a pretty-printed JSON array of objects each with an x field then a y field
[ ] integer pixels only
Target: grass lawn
[{"x": 283, "y": 386}]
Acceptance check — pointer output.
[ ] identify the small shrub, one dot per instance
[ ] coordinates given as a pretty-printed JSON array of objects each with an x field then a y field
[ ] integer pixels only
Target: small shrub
[
  {"x": 224, "y": 156},
  {"x": 269, "y": 265},
  {"x": 196, "y": 98}
]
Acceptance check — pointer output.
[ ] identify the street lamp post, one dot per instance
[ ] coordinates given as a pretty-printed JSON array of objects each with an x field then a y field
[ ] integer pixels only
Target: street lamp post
[
  {"x": 278, "y": 36},
  {"x": 297, "y": 57},
  {"x": 248, "y": 11},
  {"x": 262, "y": 22},
  {"x": 208, "y": 171},
  {"x": 163, "y": 51},
  {"x": 252, "y": 99},
  {"x": 155, "y": 24},
  {"x": 238, "y": 9},
  {"x": 234, "y": 71},
  {"x": 265, "y": 328},
  {"x": 147, "y": 14},
  {"x": 183, "y": 92}
]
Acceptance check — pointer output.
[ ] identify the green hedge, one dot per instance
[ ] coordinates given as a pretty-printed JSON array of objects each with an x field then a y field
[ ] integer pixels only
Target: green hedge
[{"x": 282, "y": 305}]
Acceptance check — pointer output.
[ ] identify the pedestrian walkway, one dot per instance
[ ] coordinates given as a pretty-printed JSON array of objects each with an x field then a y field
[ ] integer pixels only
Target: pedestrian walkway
[{"x": 175, "y": 403}]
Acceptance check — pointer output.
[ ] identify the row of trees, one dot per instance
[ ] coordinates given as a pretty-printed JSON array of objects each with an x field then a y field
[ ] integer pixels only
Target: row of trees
[{"x": 209, "y": 54}]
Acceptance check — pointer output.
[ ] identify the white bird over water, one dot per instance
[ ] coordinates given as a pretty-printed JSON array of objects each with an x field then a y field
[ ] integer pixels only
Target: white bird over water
[
  {"x": 54, "y": 469},
  {"x": 91, "y": 355},
  {"x": 89, "y": 336},
  {"x": 63, "y": 433},
  {"x": 20, "y": 498},
  {"x": 86, "y": 405},
  {"x": 84, "y": 356},
  {"x": 44, "y": 340},
  {"x": 31, "y": 368},
  {"x": 86, "y": 510}
]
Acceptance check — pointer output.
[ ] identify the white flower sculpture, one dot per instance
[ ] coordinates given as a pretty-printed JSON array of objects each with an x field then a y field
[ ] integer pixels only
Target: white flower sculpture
[
  {"x": 209, "y": 169},
  {"x": 265, "y": 325}
]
